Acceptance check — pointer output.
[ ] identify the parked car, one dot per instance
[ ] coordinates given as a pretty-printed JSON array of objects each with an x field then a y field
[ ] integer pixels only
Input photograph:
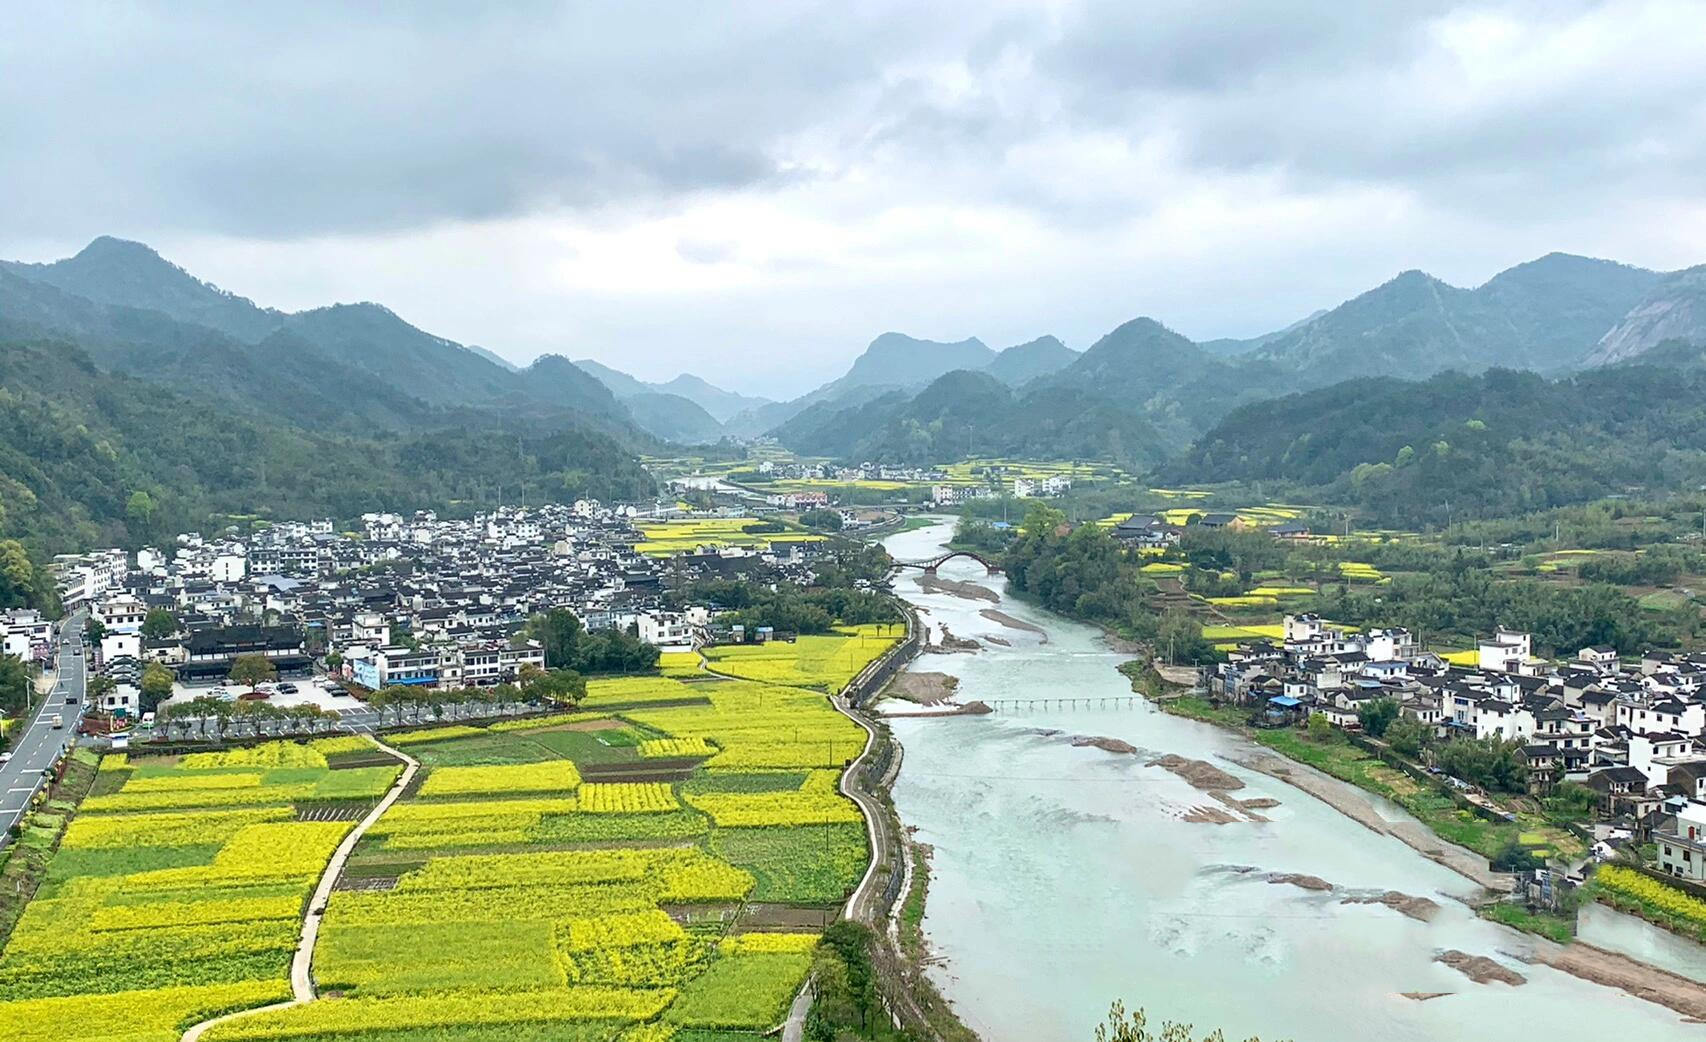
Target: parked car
[
  {"x": 5, "y": 758},
  {"x": 287, "y": 689}
]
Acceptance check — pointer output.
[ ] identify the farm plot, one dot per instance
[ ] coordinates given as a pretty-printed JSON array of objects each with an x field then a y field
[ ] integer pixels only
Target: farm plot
[
  {"x": 522, "y": 901},
  {"x": 663, "y": 538},
  {"x": 821, "y": 661},
  {"x": 511, "y": 899},
  {"x": 177, "y": 896}
]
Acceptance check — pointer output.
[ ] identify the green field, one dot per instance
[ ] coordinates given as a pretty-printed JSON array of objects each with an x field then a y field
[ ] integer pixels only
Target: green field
[{"x": 505, "y": 897}]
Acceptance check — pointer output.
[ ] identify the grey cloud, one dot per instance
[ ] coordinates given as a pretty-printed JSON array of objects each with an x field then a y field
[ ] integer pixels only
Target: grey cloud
[{"x": 287, "y": 120}]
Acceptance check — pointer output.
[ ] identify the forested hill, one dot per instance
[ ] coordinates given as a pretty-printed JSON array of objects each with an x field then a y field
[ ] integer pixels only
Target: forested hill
[
  {"x": 355, "y": 368},
  {"x": 968, "y": 413},
  {"x": 1457, "y": 446},
  {"x": 91, "y": 458}
]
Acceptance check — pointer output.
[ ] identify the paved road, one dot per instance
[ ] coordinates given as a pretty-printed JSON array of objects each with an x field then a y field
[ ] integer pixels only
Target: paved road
[{"x": 37, "y": 746}]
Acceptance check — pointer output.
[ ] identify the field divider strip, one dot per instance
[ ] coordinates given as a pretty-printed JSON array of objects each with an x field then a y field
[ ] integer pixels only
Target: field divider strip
[{"x": 302, "y": 963}]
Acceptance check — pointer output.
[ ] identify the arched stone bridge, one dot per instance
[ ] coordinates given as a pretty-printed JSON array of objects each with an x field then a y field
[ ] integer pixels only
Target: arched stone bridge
[{"x": 929, "y": 567}]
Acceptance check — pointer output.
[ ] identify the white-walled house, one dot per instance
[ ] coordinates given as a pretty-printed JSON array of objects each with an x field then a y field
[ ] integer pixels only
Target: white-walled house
[{"x": 1508, "y": 651}]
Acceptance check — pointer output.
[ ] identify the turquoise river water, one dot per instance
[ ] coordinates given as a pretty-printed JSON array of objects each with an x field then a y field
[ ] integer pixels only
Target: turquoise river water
[{"x": 1065, "y": 878}]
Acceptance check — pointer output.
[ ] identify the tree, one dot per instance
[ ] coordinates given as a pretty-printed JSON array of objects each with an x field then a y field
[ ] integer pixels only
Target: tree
[
  {"x": 1376, "y": 715},
  {"x": 845, "y": 983},
  {"x": 334, "y": 661},
  {"x": 139, "y": 512},
  {"x": 558, "y": 632},
  {"x": 14, "y": 685},
  {"x": 822, "y": 520},
  {"x": 252, "y": 670},
  {"x": 563, "y": 686},
  {"x": 98, "y": 687},
  {"x": 1134, "y": 1027},
  {"x": 94, "y": 629},
  {"x": 1320, "y": 728},
  {"x": 159, "y": 624},
  {"x": 1514, "y": 857},
  {"x": 20, "y": 581},
  {"x": 1407, "y": 736},
  {"x": 156, "y": 686},
  {"x": 567, "y": 645},
  {"x": 1491, "y": 762}
]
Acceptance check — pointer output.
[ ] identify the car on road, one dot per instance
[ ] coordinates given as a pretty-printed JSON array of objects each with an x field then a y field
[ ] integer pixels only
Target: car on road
[
  {"x": 5, "y": 758},
  {"x": 70, "y": 700},
  {"x": 77, "y": 652},
  {"x": 58, "y": 722}
]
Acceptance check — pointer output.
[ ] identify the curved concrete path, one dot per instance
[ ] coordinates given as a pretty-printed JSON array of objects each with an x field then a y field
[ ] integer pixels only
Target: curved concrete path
[{"x": 302, "y": 964}]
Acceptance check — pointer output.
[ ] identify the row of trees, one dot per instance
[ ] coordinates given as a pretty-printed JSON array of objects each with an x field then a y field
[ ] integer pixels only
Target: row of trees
[{"x": 208, "y": 717}]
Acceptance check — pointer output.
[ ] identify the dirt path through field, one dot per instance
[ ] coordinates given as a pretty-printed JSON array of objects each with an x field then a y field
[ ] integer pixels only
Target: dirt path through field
[{"x": 302, "y": 964}]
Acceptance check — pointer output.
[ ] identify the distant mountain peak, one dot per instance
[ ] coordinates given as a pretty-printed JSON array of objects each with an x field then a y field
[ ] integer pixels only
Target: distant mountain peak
[{"x": 112, "y": 246}]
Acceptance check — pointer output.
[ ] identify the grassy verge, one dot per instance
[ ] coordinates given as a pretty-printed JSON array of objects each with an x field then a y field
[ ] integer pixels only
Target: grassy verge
[
  {"x": 1551, "y": 925},
  {"x": 26, "y": 864},
  {"x": 912, "y": 909}
]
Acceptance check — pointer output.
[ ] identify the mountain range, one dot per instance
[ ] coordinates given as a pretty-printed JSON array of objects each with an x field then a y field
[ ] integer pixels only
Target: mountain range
[
  {"x": 349, "y": 382},
  {"x": 1157, "y": 391}
]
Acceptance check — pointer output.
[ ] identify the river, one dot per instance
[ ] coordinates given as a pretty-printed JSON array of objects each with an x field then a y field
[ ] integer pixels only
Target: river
[{"x": 1065, "y": 878}]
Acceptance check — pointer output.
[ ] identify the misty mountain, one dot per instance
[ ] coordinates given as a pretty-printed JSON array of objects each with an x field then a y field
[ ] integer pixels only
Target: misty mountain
[
  {"x": 965, "y": 413},
  {"x": 714, "y": 400},
  {"x": 348, "y": 367},
  {"x": 1165, "y": 377},
  {"x": 674, "y": 418},
  {"x": 1025, "y": 362},
  {"x": 129, "y": 274},
  {"x": 493, "y": 357},
  {"x": 1544, "y": 315},
  {"x": 1228, "y": 347},
  {"x": 681, "y": 405},
  {"x": 898, "y": 360},
  {"x": 1673, "y": 309}
]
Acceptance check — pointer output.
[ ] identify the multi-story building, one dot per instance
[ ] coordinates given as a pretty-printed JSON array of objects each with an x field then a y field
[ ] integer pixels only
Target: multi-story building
[{"x": 25, "y": 634}]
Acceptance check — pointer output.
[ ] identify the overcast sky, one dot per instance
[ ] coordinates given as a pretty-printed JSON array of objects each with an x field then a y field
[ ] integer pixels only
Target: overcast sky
[{"x": 752, "y": 192}]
